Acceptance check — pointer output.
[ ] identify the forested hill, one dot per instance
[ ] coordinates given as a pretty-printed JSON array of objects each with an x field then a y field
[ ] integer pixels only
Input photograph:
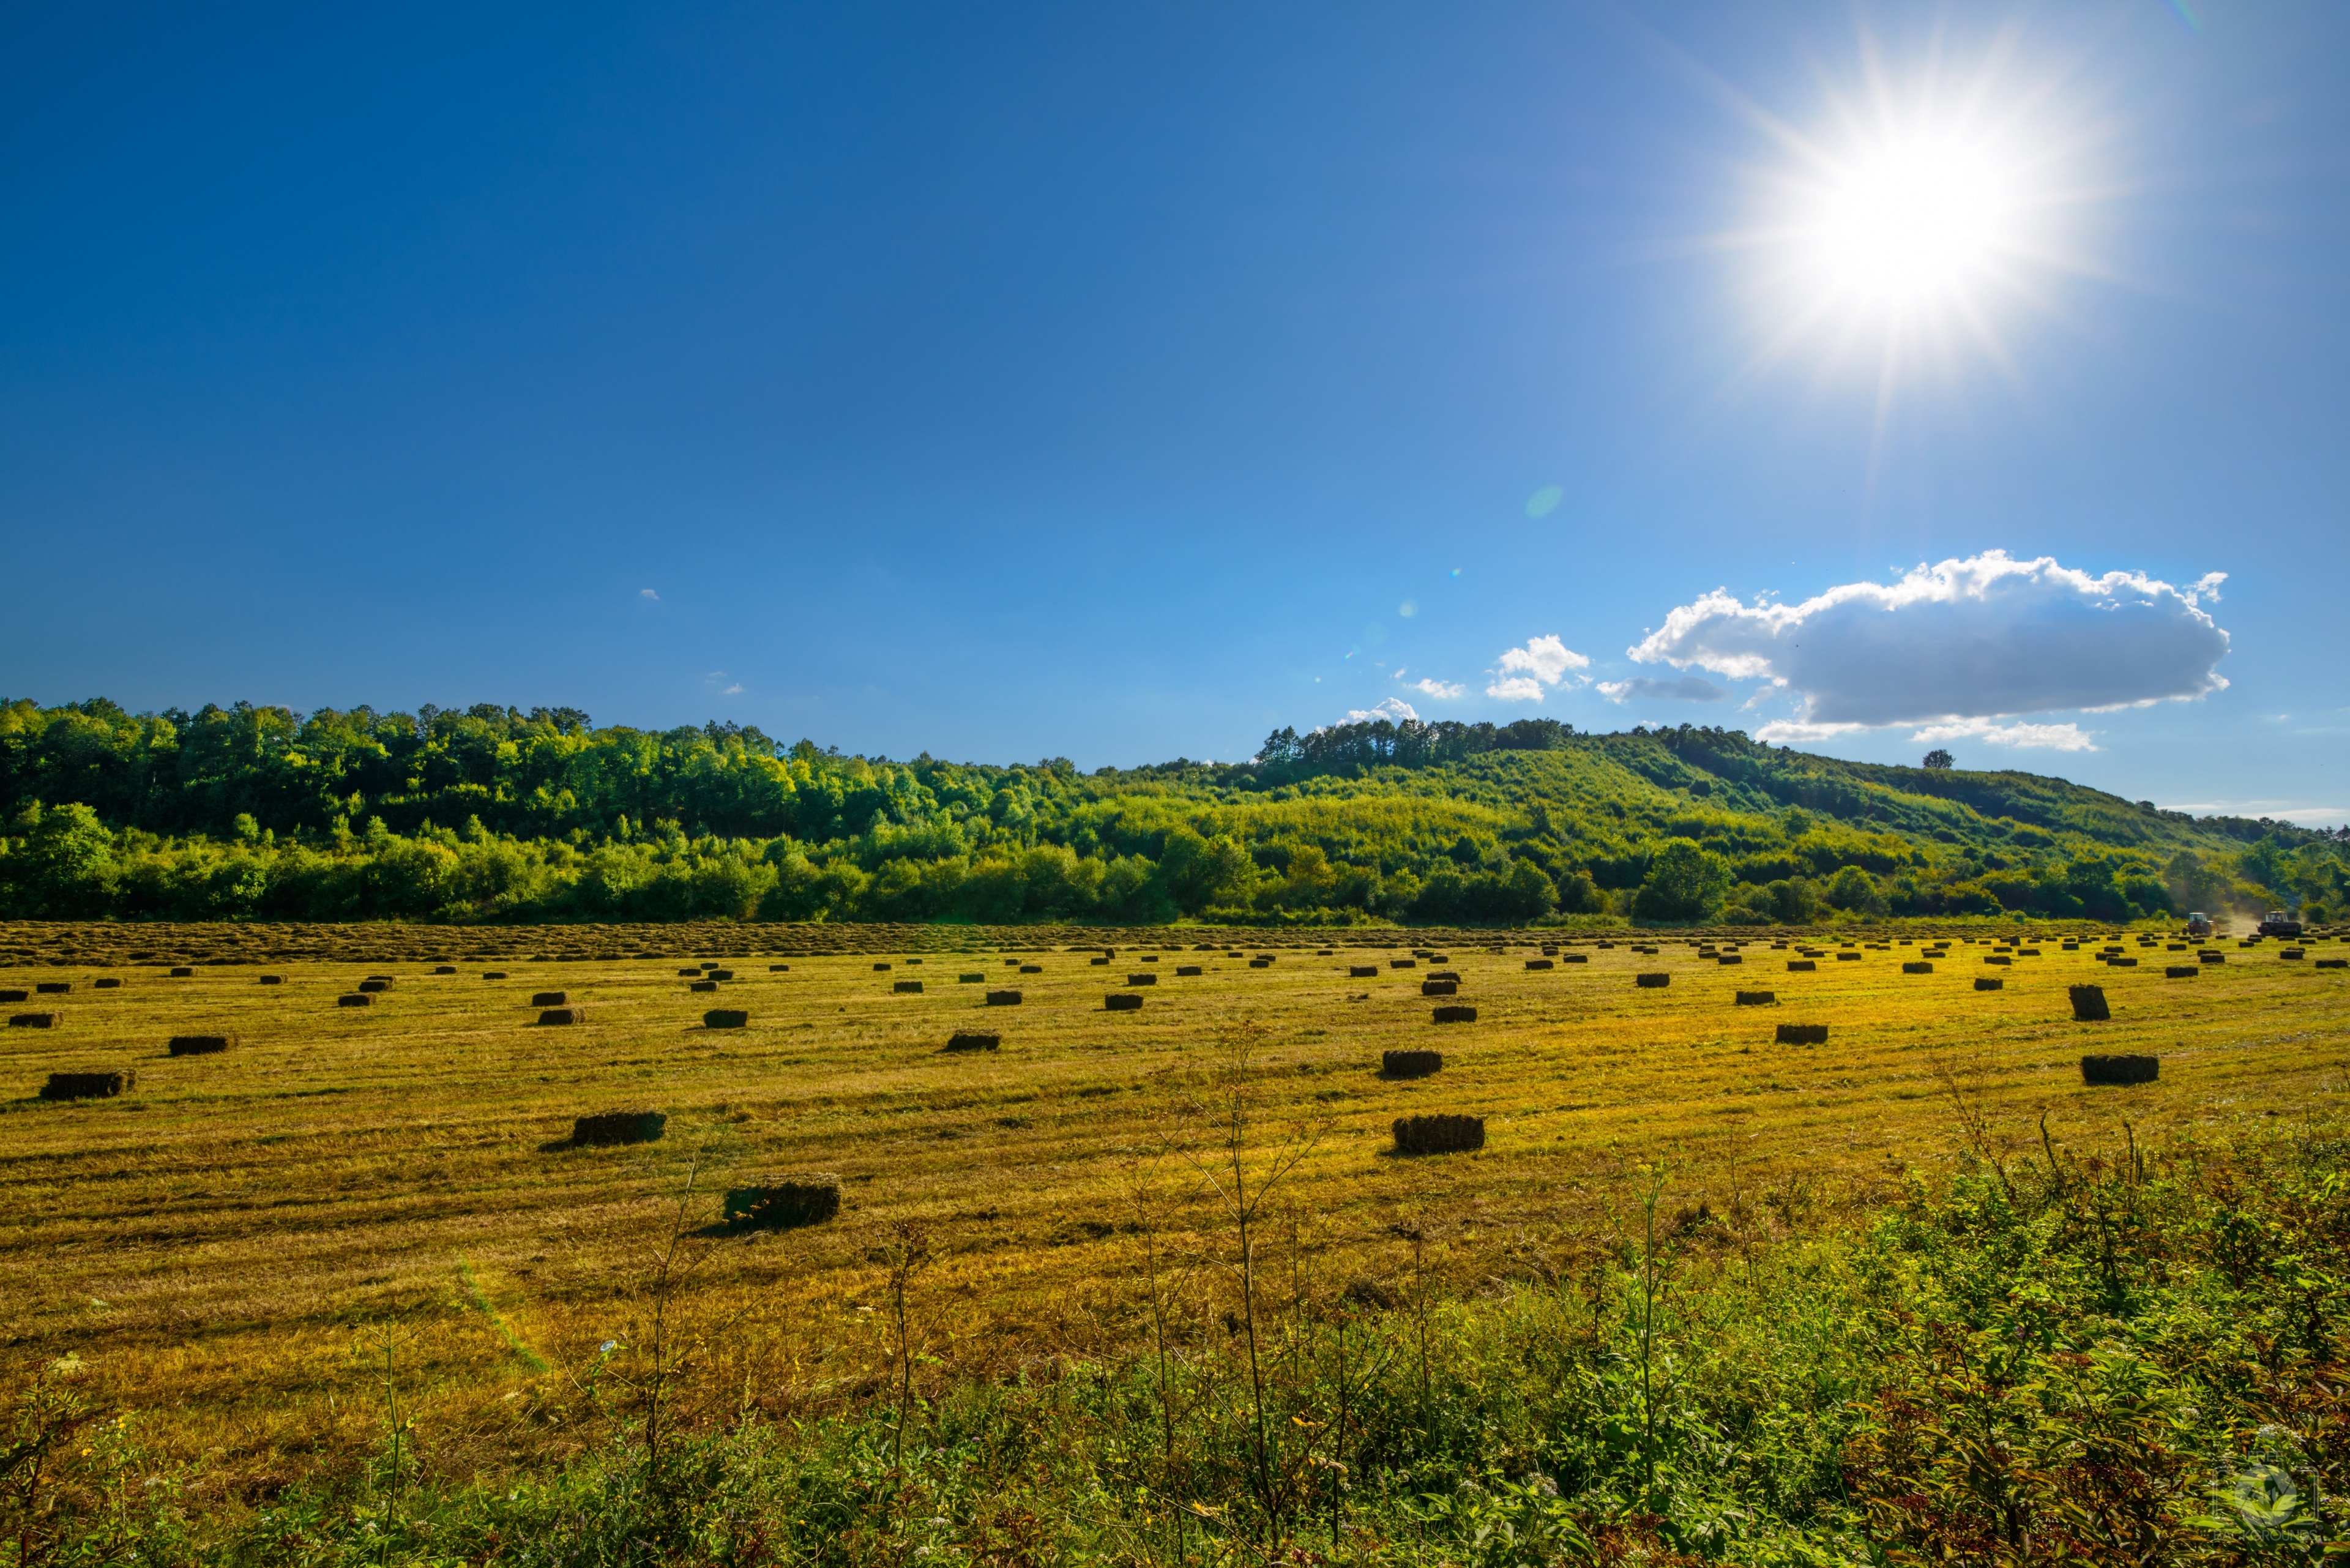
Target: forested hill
[{"x": 491, "y": 813}]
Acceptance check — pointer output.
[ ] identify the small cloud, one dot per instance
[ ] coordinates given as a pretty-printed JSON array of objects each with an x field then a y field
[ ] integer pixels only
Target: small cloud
[
  {"x": 1795, "y": 731},
  {"x": 2206, "y": 587},
  {"x": 731, "y": 690},
  {"x": 2283, "y": 810},
  {"x": 1544, "y": 501},
  {"x": 2044, "y": 737},
  {"x": 1545, "y": 659},
  {"x": 648, "y": 594},
  {"x": 1524, "y": 671},
  {"x": 1442, "y": 691},
  {"x": 1688, "y": 689},
  {"x": 1395, "y": 710}
]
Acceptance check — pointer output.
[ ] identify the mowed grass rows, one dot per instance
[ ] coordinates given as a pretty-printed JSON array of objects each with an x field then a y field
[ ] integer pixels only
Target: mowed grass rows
[{"x": 214, "y": 1241}]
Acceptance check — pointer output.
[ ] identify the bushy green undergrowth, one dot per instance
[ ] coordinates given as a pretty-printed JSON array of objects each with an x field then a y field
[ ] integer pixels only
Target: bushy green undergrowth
[
  {"x": 259, "y": 814},
  {"x": 2118, "y": 1356}
]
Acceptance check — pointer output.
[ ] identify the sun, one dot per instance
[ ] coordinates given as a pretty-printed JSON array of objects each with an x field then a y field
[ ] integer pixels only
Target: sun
[
  {"x": 1916, "y": 223},
  {"x": 1920, "y": 221}
]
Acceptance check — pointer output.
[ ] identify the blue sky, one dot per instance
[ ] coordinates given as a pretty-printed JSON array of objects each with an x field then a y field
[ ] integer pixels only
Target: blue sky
[{"x": 1123, "y": 382}]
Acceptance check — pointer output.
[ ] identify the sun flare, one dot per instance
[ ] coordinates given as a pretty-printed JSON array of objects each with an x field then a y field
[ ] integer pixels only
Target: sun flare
[
  {"x": 1919, "y": 220},
  {"x": 1914, "y": 223}
]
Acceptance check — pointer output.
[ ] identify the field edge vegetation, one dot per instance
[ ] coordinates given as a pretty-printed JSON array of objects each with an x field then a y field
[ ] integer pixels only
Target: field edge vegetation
[
  {"x": 2045, "y": 1355},
  {"x": 492, "y": 815}
]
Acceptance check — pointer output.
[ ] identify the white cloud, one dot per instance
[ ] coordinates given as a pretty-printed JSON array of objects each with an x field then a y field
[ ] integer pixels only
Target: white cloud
[
  {"x": 1525, "y": 671},
  {"x": 1986, "y": 636},
  {"x": 1545, "y": 659},
  {"x": 1442, "y": 691},
  {"x": 648, "y": 594},
  {"x": 2206, "y": 587},
  {"x": 731, "y": 690},
  {"x": 2282, "y": 810},
  {"x": 2047, "y": 737},
  {"x": 1792, "y": 732},
  {"x": 1395, "y": 710},
  {"x": 1688, "y": 689}
]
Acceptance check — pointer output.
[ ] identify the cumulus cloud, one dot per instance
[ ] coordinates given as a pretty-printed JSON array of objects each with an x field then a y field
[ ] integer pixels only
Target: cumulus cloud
[
  {"x": 1688, "y": 689},
  {"x": 1442, "y": 691},
  {"x": 1522, "y": 672},
  {"x": 1395, "y": 710},
  {"x": 2046, "y": 737},
  {"x": 646, "y": 594},
  {"x": 1984, "y": 637}
]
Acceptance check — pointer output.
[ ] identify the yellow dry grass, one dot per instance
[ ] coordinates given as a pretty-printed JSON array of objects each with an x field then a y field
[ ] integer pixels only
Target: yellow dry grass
[{"x": 225, "y": 1244}]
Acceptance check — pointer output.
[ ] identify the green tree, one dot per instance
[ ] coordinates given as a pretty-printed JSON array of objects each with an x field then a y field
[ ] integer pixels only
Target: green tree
[
  {"x": 1854, "y": 889},
  {"x": 1200, "y": 871},
  {"x": 67, "y": 869},
  {"x": 1686, "y": 881}
]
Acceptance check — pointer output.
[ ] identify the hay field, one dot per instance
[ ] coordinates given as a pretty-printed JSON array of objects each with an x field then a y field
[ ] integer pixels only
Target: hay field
[{"x": 227, "y": 1243}]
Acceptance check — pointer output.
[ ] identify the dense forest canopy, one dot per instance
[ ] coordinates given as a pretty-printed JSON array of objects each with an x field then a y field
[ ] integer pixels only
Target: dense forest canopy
[{"x": 490, "y": 813}]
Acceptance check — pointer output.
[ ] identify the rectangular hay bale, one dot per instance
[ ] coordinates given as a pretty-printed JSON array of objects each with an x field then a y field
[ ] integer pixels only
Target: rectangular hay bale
[
  {"x": 1410, "y": 1063},
  {"x": 604, "y": 1129},
  {"x": 1439, "y": 1134},
  {"x": 87, "y": 1085},
  {"x": 2130, "y": 1069},
  {"x": 199, "y": 1045},
  {"x": 783, "y": 1203}
]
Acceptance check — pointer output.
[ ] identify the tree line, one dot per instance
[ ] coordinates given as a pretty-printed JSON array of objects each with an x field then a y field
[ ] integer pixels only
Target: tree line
[{"x": 491, "y": 813}]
